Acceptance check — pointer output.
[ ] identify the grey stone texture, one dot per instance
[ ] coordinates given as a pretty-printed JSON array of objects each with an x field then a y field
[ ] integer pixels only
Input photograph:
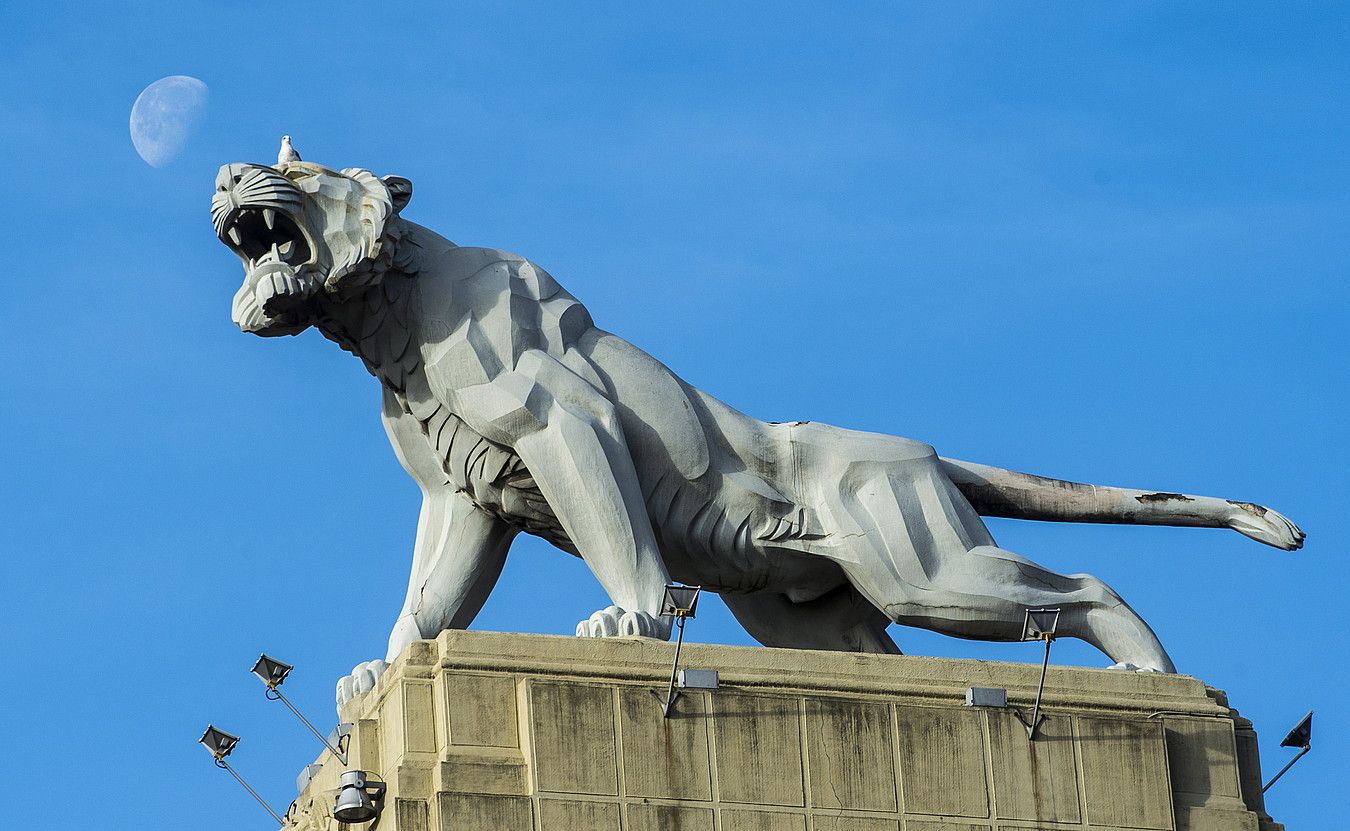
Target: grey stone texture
[
  {"x": 514, "y": 412},
  {"x": 482, "y": 731}
]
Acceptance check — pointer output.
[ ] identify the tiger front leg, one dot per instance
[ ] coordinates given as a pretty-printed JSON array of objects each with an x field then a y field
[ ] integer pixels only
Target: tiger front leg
[
  {"x": 458, "y": 556},
  {"x": 589, "y": 480},
  {"x": 569, "y": 437}
]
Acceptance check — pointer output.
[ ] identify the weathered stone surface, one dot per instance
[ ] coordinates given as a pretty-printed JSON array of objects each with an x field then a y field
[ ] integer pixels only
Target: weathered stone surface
[
  {"x": 572, "y": 815},
  {"x": 494, "y": 773},
  {"x": 843, "y": 822},
  {"x": 643, "y": 817},
  {"x": 665, "y": 758},
  {"x": 481, "y": 710},
  {"x": 738, "y": 820},
  {"x": 412, "y": 814},
  {"x": 1202, "y": 756},
  {"x": 472, "y": 812},
  {"x": 573, "y": 727},
  {"x": 759, "y": 749},
  {"x": 1249, "y": 769},
  {"x": 942, "y": 762},
  {"x": 1125, "y": 773},
  {"x": 850, "y": 752},
  {"x": 793, "y": 741},
  {"x": 1216, "y": 819},
  {"x": 1033, "y": 780},
  {"x": 921, "y": 825}
]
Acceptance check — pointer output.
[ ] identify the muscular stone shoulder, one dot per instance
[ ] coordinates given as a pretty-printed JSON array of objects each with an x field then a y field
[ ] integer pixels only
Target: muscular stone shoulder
[
  {"x": 486, "y": 276},
  {"x": 494, "y": 267},
  {"x": 465, "y": 261},
  {"x": 486, "y": 310},
  {"x": 511, "y": 292}
]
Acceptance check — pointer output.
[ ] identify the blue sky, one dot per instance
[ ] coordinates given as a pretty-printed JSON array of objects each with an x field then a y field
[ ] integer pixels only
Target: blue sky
[{"x": 1104, "y": 242}]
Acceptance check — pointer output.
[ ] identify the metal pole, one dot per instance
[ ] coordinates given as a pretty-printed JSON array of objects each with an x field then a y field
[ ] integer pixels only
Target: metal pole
[
  {"x": 221, "y": 763},
  {"x": 341, "y": 757},
  {"x": 1036, "y": 710},
  {"x": 671, "y": 695},
  {"x": 1305, "y": 749}
]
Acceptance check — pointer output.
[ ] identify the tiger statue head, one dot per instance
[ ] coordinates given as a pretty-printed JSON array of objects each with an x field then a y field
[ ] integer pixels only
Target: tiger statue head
[{"x": 306, "y": 235}]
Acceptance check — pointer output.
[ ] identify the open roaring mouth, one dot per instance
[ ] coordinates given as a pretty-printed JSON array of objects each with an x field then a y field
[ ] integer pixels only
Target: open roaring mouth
[
  {"x": 259, "y": 234},
  {"x": 255, "y": 212}
]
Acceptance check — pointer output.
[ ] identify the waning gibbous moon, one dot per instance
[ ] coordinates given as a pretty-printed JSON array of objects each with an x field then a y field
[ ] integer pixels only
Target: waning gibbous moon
[{"x": 164, "y": 115}]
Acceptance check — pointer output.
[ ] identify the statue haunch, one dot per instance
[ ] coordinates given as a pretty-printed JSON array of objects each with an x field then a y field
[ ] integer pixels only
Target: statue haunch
[{"x": 514, "y": 412}]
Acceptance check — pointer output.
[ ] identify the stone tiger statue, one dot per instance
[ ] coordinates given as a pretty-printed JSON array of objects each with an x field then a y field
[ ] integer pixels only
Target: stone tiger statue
[{"x": 514, "y": 412}]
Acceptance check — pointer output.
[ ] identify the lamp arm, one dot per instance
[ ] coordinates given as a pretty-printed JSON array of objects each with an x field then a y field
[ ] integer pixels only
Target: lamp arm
[
  {"x": 1040, "y": 689},
  {"x": 221, "y": 763},
  {"x": 671, "y": 693},
  {"x": 341, "y": 756},
  {"x": 1300, "y": 755}
]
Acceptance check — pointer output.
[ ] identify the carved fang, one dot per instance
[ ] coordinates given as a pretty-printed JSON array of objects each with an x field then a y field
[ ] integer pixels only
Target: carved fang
[
  {"x": 234, "y": 235},
  {"x": 270, "y": 217}
]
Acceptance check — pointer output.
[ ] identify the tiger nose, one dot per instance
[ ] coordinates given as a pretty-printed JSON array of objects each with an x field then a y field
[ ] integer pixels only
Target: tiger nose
[{"x": 229, "y": 175}]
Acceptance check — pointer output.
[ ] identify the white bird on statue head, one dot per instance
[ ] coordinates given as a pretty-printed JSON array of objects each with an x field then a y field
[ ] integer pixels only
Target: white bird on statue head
[{"x": 287, "y": 152}]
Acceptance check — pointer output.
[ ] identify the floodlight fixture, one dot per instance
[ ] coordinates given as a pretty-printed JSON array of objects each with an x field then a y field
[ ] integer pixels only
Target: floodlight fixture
[
  {"x": 221, "y": 744},
  {"x": 1301, "y": 737},
  {"x": 272, "y": 673},
  {"x": 360, "y": 798},
  {"x": 217, "y": 742},
  {"x": 1040, "y": 625},
  {"x": 679, "y": 602}
]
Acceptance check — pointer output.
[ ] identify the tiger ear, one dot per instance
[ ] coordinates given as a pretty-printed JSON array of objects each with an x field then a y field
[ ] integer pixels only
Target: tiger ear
[{"x": 400, "y": 191}]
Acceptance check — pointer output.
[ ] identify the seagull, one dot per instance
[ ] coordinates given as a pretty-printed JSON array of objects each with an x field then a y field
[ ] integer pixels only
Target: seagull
[{"x": 287, "y": 152}]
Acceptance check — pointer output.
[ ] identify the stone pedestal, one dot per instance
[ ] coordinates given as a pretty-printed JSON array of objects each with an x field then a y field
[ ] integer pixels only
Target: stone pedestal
[{"x": 483, "y": 731}]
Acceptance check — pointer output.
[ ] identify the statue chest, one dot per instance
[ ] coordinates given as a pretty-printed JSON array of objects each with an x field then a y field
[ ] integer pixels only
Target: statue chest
[{"x": 490, "y": 474}]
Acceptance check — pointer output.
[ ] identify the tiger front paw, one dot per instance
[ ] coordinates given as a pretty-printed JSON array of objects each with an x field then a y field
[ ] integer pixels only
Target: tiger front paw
[{"x": 614, "y": 622}]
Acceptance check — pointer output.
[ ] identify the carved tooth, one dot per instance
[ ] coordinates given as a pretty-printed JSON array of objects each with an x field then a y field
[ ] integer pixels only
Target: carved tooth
[
  {"x": 286, "y": 247},
  {"x": 270, "y": 217},
  {"x": 234, "y": 235}
]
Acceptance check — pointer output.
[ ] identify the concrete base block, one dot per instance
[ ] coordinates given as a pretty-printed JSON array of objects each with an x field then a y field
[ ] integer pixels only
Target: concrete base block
[{"x": 485, "y": 731}]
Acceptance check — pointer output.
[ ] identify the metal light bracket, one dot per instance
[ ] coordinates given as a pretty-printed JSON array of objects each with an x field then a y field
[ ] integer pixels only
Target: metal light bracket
[
  {"x": 1040, "y": 624},
  {"x": 1300, "y": 736},
  {"x": 272, "y": 673},
  {"x": 679, "y": 602},
  {"x": 221, "y": 744}
]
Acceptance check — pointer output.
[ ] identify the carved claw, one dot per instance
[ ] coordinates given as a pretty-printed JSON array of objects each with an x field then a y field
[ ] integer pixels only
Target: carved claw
[
  {"x": 1129, "y": 667},
  {"x": 362, "y": 680},
  {"x": 1267, "y": 526},
  {"x": 614, "y": 622}
]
